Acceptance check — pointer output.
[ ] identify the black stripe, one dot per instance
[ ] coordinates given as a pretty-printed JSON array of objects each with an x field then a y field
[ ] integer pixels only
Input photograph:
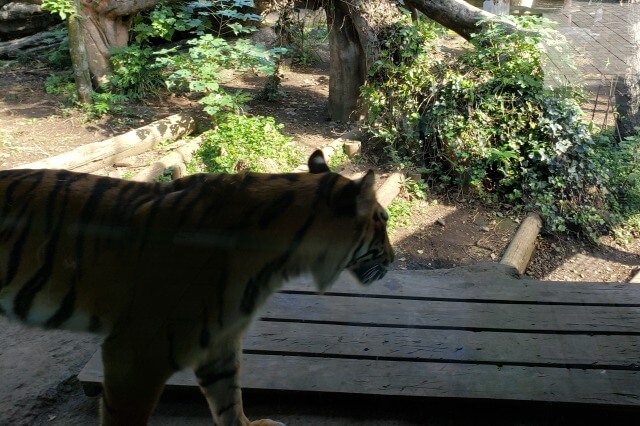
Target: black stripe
[
  {"x": 255, "y": 286},
  {"x": 15, "y": 184},
  {"x": 92, "y": 204},
  {"x": 65, "y": 310},
  {"x": 148, "y": 225},
  {"x": 207, "y": 380},
  {"x": 126, "y": 193},
  {"x": 325, "y": 187},
  {"x": 16, "y": 253},
  {"x": 290, "y": 177},
  {"x": 226, "y": 408},
  {"x": 6, "y": 233},
  {"x": 246, "y": 180},
  {"x": 63, "y": 179},
  {"x": 276, "y": 208},
  {"x": 345, "y": 200},
  {"x": 187, "y": 209},
  {"x": 24, "y": 299}
]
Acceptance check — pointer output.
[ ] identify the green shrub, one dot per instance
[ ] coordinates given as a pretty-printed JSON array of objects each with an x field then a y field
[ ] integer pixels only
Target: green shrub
[
  {"x": 140, "y": 70},
  {"x": 622, "y": 161},
  {"x": 241, "y": 143},
  {"x": 136, "y": 73},
  {"x": 204, "y": 67},
  {"x": 486, "y": 122}
]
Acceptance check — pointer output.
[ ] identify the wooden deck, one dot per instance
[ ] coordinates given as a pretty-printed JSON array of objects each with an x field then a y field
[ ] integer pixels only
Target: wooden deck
[{"x": 473, "y": 333}]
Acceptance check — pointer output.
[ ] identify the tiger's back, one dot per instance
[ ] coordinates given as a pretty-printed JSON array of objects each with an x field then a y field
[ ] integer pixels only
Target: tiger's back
[{"x": 173, "y": 272}]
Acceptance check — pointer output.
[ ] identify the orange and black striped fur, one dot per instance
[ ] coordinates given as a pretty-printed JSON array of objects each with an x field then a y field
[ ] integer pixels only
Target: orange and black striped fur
[{"x": 172, "y": 273}]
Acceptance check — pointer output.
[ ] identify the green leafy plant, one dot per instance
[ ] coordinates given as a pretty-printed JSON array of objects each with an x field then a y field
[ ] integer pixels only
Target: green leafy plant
[
  {"x": 338, "y": 159},
  {"x": 486, "y": 122},
  {"x": 622, "y": 161},
  {"x": 400, "y": 212},
  {"x": 135, "y": 72},
  {"x": 105, "y": 103},
  {"x": 209, "y": 61},
  {"x": 61, "y": 84},
  {"x": 247, "y": 143},
  {"x": 63, "y": 8}
]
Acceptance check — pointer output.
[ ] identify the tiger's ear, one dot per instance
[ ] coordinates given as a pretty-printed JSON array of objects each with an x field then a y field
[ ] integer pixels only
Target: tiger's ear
[
  {"x": 366, "y": 193},
  {"x": 316, "y": 163}
]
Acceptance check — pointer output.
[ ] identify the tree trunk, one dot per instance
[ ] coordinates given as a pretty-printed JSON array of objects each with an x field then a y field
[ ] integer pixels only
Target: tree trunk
[
  {"x": 106, "y": 25},
  {"x": 354, "y": 41},
  {"x": 354, "y": 29},
  {"x": 79, "y": 59},
  {"x": 347, "y": 65}
]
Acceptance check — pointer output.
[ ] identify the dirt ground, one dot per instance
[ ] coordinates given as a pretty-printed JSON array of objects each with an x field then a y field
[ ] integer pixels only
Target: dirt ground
[{"x": 445, "y": 231}]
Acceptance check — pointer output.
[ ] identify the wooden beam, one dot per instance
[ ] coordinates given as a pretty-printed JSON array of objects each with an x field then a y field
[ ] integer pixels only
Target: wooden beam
[
  {"x": 521, "y": 247},
  {"x": 95, "y": 156}
]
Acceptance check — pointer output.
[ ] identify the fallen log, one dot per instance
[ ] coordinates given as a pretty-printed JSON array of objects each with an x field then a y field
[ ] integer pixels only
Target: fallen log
[
  {"x": 12, "y": 48},
  {"x": 180, "y": 156},
  {"x": 95, "y": 156},
  {"x": 521, "y": 247}
]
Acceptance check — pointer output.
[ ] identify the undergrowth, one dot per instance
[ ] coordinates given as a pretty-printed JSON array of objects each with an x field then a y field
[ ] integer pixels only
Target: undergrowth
[
  {"x": 246, "y": 143},
  {"x": 486, "y": 123}
]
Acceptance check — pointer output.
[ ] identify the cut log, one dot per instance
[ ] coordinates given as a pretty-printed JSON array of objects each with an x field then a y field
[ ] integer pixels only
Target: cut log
[
  {"x": 181, "y": 155},
  {"x": 352, "y": 148},
  {"x": 95, "y": 156},
  {"x": 178, "y": 170},
  {"x": 520, "y": 249}
]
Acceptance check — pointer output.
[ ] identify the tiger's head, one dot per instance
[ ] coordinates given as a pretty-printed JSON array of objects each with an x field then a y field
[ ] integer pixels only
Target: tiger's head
[{"x": 370, "y": 252}]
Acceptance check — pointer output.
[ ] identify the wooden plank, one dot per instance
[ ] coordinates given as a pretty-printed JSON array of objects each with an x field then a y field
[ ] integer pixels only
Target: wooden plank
[
  {"x": 328, "y": 340},
  {"x": 305, "y": 374},
  {"x": 472, "y": 333},
  {"x": 481, "y": 282},
  {"x": 417, "y": 379},
  {"x": 408, "y": 313}
]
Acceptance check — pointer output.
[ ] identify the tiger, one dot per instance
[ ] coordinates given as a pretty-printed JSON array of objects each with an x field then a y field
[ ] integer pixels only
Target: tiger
[{"x": 172, "y": 273}]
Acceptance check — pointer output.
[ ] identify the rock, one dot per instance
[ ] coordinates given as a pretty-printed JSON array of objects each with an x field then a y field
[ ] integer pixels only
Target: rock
[{"x": 441, "y": 222}]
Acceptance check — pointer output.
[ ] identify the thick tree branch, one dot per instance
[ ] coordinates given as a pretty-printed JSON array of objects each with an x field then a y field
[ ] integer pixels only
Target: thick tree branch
[{"x": 456, "y": 15}]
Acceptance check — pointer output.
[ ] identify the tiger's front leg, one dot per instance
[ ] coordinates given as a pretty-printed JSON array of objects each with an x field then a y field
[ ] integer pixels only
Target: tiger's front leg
[{"x": 219, "y": 381}]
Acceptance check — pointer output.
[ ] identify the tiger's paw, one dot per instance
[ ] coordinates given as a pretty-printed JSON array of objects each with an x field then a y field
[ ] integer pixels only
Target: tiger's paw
[{"x": 266, "y": 422}]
